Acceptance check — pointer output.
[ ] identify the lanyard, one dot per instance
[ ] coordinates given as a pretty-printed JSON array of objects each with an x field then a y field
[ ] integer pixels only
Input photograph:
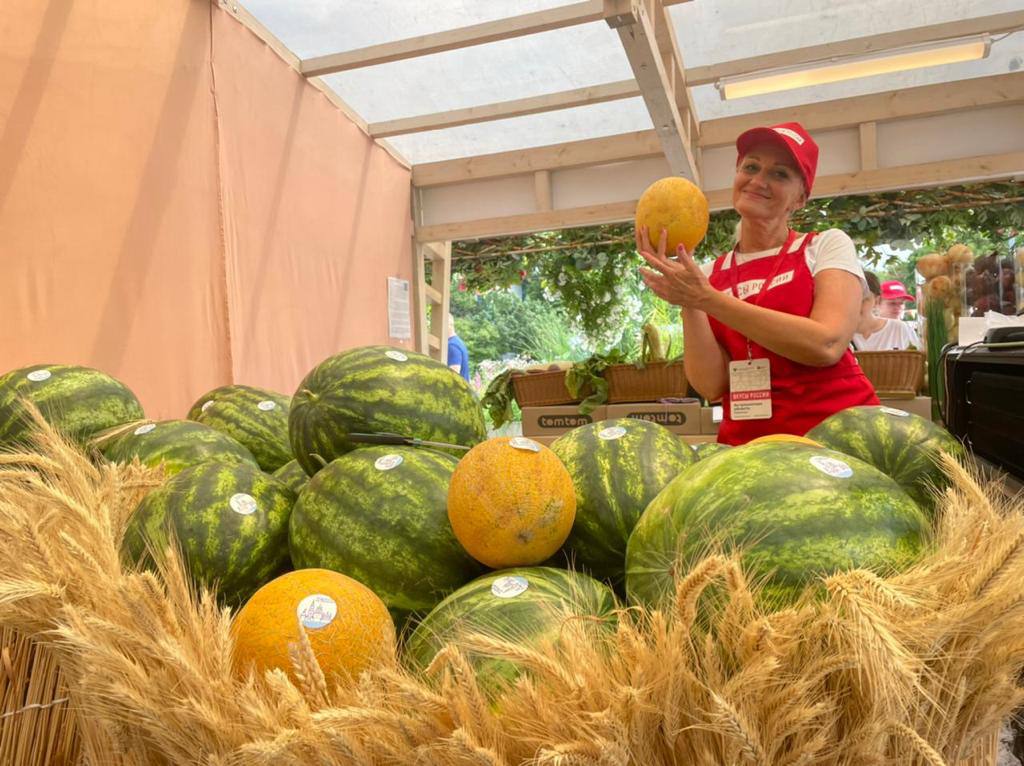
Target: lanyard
[{"x": 734, "y": 269}]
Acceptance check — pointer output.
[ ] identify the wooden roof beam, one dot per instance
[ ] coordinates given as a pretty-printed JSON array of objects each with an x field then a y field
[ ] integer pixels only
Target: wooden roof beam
[
  {"x": 591, "y": 151},
  {"x": 594, "y": 94},
  {"x": 965, "y": 170},
  {"x": 826, "y": 115},
  {"x": 452, "y": 39},
  {"x": 992, "y": 23},
  {"x": 633, "y": 21}
]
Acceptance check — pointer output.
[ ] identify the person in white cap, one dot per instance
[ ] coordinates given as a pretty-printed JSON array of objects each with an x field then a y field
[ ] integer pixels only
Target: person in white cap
[{"x": 767, "y": 327}]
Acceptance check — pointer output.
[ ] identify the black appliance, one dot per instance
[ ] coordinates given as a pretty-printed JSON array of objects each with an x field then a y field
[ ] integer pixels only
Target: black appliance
[{"x": 985, "y": 401}]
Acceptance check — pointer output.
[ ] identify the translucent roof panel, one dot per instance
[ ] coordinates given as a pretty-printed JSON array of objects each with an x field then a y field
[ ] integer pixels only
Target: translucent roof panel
[
  {"x": 562, "y": 59},
  {"x": 318, "y": 27},
  {"x": 709, "y": 32},
  {"x": 1006, "y": 55},
  {"x": 544, "y": 129}
]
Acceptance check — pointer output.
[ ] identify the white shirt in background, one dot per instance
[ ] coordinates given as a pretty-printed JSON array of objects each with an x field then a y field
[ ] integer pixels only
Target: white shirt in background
[{"x": 894, "y": 336}]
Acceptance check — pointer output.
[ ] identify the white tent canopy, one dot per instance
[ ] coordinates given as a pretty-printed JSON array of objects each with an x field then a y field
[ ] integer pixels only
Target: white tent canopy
[{"x": 538, "y": 114}]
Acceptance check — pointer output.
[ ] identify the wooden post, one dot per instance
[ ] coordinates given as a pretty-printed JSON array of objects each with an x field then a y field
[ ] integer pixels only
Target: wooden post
[{"x": 432, "y": 338}]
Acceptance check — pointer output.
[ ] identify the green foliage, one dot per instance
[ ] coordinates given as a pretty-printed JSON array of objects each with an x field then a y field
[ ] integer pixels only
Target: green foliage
[{"x": 581, "y": 287}]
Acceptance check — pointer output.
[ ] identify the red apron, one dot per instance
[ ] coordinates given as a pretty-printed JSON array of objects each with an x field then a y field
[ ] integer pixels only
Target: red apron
[{"x": 802, "y": 396}]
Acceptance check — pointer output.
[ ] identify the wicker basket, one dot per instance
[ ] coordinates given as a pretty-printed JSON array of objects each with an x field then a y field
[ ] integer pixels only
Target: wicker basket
[
  {"x": 894, "y": 374},
  {"x": 38, "y": 727},
  {"x": 543, "y": 389},
  {"x": 656, "y": 380}
]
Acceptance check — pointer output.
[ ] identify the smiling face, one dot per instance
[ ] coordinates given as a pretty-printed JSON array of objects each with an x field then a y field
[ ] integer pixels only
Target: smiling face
[{"x": 767, "y": 184}]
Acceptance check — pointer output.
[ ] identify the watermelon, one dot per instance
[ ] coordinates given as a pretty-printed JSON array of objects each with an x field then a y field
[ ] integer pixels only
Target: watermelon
[
  {"x": 797, "y": 512},
  {"x": 230, "y": 519},
  {"x": 707, "y": 449},
  {"x": 177, "y": 444},
  {"x": 78, "y": 401},
  {"x": 379, "y": 515},
  {"x": 901, "y": 445},
  {"x": 206, "y": 400},
  {"x": 292, "y": 475},
  {"x": 254, "y": 417},
  {"x": 527, "y": 605},
  {"x": 377, "y": 389},
  {"x": 617, "y": 468}
]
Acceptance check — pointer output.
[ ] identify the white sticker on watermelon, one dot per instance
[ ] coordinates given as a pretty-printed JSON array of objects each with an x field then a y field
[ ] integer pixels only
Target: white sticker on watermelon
[
  {"x": 38, "y": 376},
  {"x": 509, "y": 587},
  {"x": 145, "y": 429},
  {"x": 387, "y": 462},
  {"x": 317, "y": 611},
  {"x": 832, "y": 467},
  {"x": 894, "y": 411},
  {"x": 267, "y": 405},
  {"x": 398, "y": 356},
  {"x": 206, "y": 405},
  {"x": 243, "y": 504},
  {"x": 612, "y": 432},
  {"x": 521, "y": 442}
]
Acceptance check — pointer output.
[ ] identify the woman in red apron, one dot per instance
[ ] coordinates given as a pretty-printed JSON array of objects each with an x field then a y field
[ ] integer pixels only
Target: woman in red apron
[{"x": 768, "y": 330}]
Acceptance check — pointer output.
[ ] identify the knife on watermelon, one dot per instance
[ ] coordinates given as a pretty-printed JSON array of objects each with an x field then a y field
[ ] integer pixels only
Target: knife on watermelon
[{"x": 412, "y": 441}]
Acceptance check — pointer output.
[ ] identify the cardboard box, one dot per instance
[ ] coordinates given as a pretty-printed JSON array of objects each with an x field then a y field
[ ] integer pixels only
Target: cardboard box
[
  {"x": 694, "y": 439},
  {"x": 678, "y": 418},
  {"x": 555, "y": 421},
  {"x": 919, "y": 405},
  {"x": 710, "y": 417},
  {"x": 545, "y": 440}
]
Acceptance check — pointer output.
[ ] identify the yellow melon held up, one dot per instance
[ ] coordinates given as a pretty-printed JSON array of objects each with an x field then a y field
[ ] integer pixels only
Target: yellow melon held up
[{"x": 677, "y": 205}]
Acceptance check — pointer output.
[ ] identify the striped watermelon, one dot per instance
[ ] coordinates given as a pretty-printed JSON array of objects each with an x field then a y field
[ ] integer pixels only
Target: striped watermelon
[
  {"x": 254, "y": 417},
  {"x": 617, "y": 468},
  {"x": 899, "y": 444},
  {"x": 78, "y": 401},
  {"x": 231, "y": 520},
  {"x": 379, "y": 515},
  {"x": 292, "y": 475},
  {"x": 526, "y": 605},
  {"x": 377, "y": 389},
  {"x": 177, "y": 444},
  {"x": 797, "y": 511},
  {"x": 707, "y": 449},
  {"x": 206, "y": 399}
]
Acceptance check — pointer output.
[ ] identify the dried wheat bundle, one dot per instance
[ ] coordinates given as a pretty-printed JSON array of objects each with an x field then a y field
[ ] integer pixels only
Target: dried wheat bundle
[{"x": 916, "y": 669}]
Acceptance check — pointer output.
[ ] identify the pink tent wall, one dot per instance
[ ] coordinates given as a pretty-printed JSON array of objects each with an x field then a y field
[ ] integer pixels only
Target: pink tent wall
[{"x": 178, "y": 207}]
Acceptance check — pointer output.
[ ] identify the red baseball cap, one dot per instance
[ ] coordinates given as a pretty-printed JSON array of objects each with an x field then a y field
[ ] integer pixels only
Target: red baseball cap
[
  {"x": 893, "y": 290},
  {"x": 792, "y": 137}
]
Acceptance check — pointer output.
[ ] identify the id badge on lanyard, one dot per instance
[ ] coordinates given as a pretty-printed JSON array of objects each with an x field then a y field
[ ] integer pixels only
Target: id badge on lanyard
[{"x": 750, "y": 380}]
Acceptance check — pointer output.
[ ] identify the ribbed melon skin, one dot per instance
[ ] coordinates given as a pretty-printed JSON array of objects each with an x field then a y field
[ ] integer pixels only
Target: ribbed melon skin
[
  {"x": 78, "y": 401},
  {"x": 534, "y": 616},
  {"x": 177, "y": 444},
  {"x": 793, "y": 521},
  {"x": 385, "y": 527},
  {"x": 364, "y": 390},
  {"x": 292, "y": 475},
  {"x": 256, "y": 418},
  {"x": 238, "y": 551},
  {"x": 900, "y": 444},
  {"x": 617, "y": 467}
]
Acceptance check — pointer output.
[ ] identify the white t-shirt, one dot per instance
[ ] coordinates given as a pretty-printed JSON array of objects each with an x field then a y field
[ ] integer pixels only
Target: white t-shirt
[
  {"x": 895, "y": 335},
  {"x": 831, "y": 249}
]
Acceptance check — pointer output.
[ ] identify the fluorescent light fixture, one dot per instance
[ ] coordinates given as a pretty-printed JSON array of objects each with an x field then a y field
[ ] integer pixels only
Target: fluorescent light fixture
[{"x": 854, "y": 67}]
